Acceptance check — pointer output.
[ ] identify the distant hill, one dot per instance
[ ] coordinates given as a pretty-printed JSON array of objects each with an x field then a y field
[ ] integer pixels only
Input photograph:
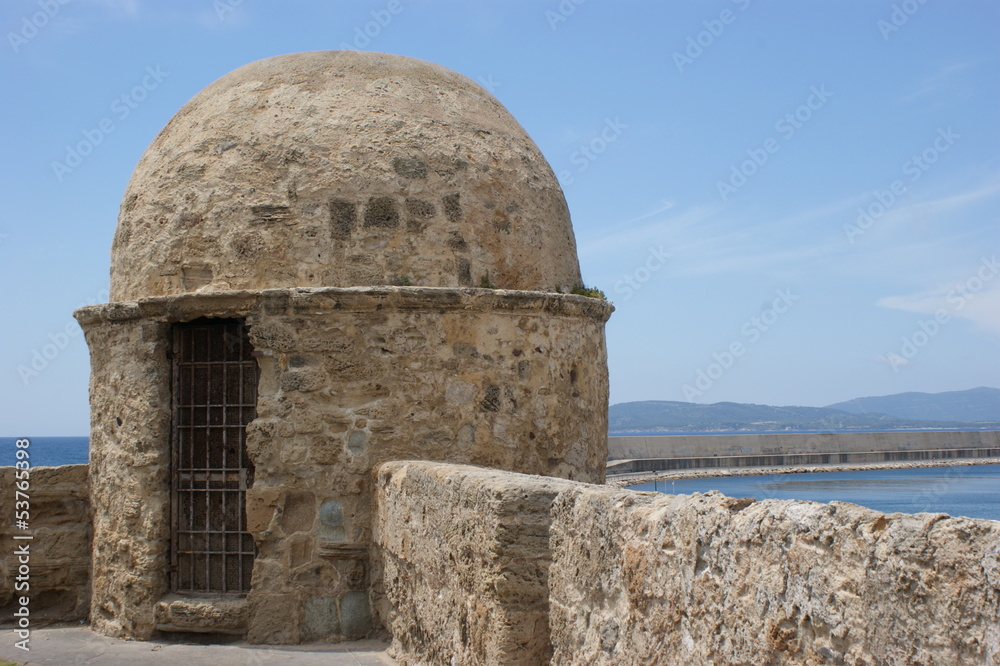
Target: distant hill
[
  {"x": 978, "y": 404},
  {"x": 654, "y": 415}
]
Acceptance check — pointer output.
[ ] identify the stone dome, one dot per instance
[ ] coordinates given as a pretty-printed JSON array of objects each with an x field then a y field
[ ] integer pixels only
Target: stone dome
[{"x": 341, "y": 169}]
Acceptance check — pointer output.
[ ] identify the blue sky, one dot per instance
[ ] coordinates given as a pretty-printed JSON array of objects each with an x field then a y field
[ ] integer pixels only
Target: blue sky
[{"x": 788, "y": 202}]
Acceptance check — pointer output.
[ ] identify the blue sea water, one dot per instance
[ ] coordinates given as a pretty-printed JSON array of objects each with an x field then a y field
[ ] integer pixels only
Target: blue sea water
[
  {"x": 44, "y": 451},
  {"x": 972, "y": 491}
]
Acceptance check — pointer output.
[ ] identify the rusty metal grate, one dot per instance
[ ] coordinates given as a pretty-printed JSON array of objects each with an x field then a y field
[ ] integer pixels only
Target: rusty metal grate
[{"x": 214, "y": 398}]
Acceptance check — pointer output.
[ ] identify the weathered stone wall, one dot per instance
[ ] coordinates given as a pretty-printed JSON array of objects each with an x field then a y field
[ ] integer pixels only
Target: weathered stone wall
[
  {"x": 714, "y": 579},
  {"x": 638, "y": 578},
  {"x": 129, "y": 470},
  {"x": 59, "y": 551},
  {"x": 464, "y": 557},
  {"x": 341, "y": 169},
  {"x": 349, "y": 378}
]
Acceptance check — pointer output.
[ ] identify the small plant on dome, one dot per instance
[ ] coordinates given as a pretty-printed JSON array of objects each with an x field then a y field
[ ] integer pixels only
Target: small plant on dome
[
  {"x": 486, "y": 283},
  {"x": 589, "y": 292}
]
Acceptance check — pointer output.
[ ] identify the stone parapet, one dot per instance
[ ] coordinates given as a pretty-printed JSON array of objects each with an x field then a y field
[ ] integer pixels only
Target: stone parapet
[
  {"x": 634, "y": 578},
  {"x": 59, "y": 548},
  {"x": 464, "y": 555}
]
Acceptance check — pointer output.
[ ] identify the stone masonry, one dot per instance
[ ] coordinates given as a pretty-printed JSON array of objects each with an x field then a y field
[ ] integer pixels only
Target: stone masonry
[
  {"x": 482, "y": 566},
  {"x": 60, "y": 527},
  {"x": 349, "y": 378}
]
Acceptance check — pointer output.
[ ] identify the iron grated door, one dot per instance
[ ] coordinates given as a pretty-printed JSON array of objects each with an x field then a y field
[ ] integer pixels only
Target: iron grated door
[{"x": 214, "y": 398}]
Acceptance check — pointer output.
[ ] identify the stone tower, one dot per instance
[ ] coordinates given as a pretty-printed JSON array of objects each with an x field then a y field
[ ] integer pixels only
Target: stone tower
[{"x": 323, "y": 262}]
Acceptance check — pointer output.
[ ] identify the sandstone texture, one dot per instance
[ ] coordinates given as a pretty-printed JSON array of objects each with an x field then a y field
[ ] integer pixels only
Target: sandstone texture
[
  {"x": 641, "y": 578},
  {"x": 464, "y": 557},
  {"x": 341, "y": 169},
  {"x": 59, "y": 551},
  {"x": 402, "y": 255},
  {"x": 349, "y": 378}
]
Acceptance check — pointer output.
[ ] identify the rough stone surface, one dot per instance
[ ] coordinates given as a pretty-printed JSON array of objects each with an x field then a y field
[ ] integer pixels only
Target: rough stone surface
[
  {"x": 129, "y": 472},
  {"x": 375, "y": 374},
  {"x": 293, "y": 194},
  {"x": 59, "y": 551},
  {"x": 639, "y": 578},
  {"x": 711, "y": 579},
  {"x": 464, "y": 555},
  {"x": 341, "y": 169},
  {"x": 220, "y": 615}
]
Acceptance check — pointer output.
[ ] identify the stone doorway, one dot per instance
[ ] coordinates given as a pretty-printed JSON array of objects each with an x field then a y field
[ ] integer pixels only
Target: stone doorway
[{"x": 214, "y": 398}]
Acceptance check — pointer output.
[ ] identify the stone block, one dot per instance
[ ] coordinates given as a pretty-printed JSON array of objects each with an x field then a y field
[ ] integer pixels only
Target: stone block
[
  {"x": 298, "y": 511},
  {"x": 355, "y": 615},
  {"x": 321, "y": 621},
  {"x": 219, "y": 615},
  {"x": 274, "y": 618}
]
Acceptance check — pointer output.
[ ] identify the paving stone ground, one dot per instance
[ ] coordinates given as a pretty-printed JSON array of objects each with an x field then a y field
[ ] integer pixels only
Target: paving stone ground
[{"x": 72, "y": 645}]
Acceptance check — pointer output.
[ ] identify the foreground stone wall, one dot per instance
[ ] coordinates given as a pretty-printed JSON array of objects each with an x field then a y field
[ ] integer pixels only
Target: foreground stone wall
[
  {"x": 464, "y": 556},
  {"x": 636, "y": 578},
  {"x": 59, "y": 583}
]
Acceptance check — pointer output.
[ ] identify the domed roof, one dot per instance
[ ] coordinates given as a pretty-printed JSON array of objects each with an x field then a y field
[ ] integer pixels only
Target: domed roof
[{"x": 341, "y": 169}]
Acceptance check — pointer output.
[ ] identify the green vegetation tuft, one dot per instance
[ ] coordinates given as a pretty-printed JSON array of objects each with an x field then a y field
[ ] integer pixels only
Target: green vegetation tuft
[
  {"x": 486, "y": 283},
  {"x": 589, "y": 292}
]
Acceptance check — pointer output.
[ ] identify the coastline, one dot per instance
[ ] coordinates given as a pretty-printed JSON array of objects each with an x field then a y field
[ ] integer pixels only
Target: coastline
[{"x": 635, "y": 478}]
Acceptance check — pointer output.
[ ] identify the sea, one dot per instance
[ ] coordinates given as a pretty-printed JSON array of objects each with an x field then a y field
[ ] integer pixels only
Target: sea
[
  {"x": 969, "y": 490},
  {"x": 44, "y": 451},
  {"x": 972, "y": 491}
]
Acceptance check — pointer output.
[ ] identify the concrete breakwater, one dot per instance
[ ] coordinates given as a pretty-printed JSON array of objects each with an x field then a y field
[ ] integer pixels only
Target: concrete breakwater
[
  {"x": 628, "y": 480},
  {"x": 630, "y": 455}
]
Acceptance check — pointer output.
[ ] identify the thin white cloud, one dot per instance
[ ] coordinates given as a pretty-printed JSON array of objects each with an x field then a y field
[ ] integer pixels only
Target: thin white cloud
[
  {"x": 118, "y": 8},
  {"x": 975, "y": 296},
  {"x": 660, "y": 230},
  {"x": 942, "y": 80}
]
